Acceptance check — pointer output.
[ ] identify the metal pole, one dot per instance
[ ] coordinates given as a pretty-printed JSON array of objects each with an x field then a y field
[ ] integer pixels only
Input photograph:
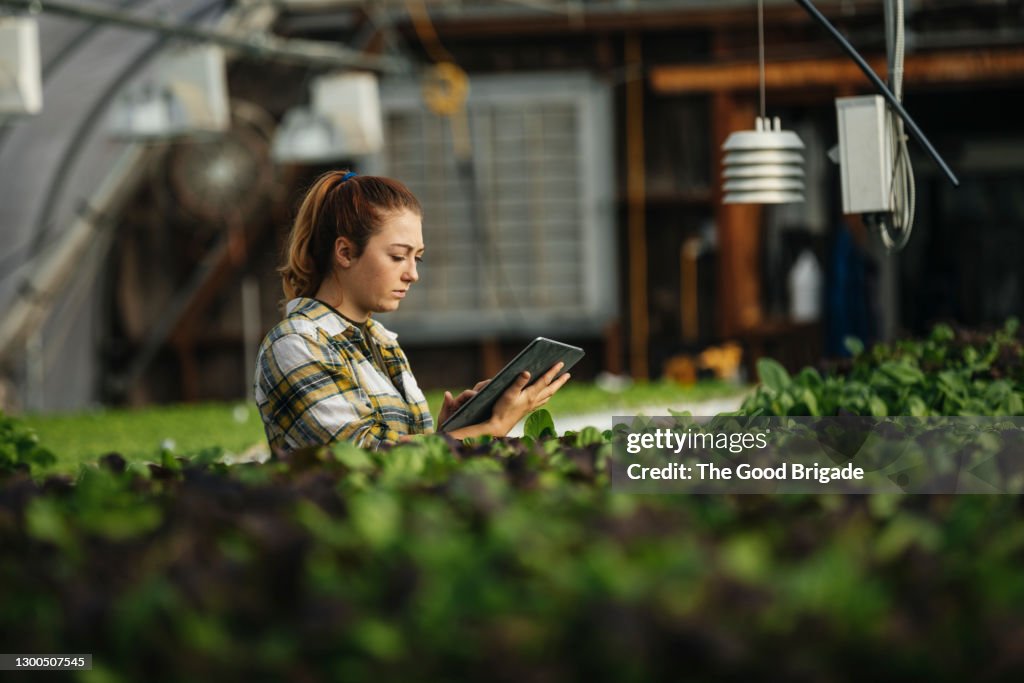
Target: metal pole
[
  {"x": 35, "y": 373},
  {"x": 50, "y": 271},
  {"x": 251, "y": 328},
  {"x": 262, "y": 46}
]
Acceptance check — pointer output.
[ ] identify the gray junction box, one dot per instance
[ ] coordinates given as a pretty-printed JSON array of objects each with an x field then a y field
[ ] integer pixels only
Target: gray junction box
[{"x": 865, "y": 154}]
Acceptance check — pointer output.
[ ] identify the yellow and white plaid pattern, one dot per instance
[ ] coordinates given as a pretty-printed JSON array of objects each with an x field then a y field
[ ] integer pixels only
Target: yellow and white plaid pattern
[{"x": 316, "y": 383}]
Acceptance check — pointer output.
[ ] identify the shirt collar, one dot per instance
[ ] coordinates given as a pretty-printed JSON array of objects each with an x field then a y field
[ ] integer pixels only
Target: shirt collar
[{"x": 334, "y": 323}]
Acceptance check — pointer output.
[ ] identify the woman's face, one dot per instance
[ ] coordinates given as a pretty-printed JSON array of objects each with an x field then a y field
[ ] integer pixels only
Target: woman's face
[{"x": 379, "y": 279}]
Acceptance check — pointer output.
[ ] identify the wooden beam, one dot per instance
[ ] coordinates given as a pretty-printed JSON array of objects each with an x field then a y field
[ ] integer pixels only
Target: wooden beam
[
  {"x": 613, "y": 347},
  {"x": 628, "y": 20},
  {"x": 229, "y": 258},
  {"x": 190, "y": 376},
  {"x": 637, "y": 210},
  {"x": 738, "y": 227},
  {"x": 961, "y": 66},
  {"x": 491, "y": 357}
]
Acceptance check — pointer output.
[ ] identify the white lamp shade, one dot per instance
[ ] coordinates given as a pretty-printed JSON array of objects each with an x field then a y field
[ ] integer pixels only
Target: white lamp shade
[
  {"x": 763, "y": 170},
  {"x": 351, "y": 102},
  {"x": 188, "y": 96},
  {"x": 765, "y": 156},
  {"x": 763, "y": 166},
  {"x": 307, "y": 137},
  {"x": 763, "y": 183}
]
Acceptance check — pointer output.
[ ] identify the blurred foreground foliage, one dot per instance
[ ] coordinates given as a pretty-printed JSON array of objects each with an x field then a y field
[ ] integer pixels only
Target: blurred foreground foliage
[{"x": 505, "y": 559}]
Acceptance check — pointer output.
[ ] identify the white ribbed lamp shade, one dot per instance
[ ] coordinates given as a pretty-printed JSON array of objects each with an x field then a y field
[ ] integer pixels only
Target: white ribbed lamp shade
[{"x": 763, "y": 166}]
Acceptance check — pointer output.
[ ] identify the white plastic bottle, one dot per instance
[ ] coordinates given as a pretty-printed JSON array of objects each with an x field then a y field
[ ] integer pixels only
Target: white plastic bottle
[{"x": 805, "y": 283}]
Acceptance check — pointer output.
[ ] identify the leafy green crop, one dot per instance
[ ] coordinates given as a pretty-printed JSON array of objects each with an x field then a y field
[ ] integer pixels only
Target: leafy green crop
[
  {"x": 511, "y": 559},
  {"x": 19, "y": 447},
  {"x": 946, "y": 374}
]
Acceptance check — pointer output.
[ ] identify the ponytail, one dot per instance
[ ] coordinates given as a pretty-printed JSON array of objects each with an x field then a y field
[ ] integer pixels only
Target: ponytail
[{"x": 339, "y": 204}]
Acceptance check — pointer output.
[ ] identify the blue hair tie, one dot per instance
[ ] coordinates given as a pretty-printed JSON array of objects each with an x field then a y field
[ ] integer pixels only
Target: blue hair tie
[{"x": 350, "y": 174}]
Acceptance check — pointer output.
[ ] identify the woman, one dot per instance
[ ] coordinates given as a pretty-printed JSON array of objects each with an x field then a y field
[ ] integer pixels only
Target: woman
[{"x": 328, "y": 371}]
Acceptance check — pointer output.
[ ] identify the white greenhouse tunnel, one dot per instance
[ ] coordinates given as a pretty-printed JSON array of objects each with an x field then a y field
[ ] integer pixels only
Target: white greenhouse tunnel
[{"x": 58, "y": 167}]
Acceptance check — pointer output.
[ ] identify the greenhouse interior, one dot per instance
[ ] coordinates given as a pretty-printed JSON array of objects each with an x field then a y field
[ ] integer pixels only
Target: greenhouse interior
[{"x": 512, "y": 339}]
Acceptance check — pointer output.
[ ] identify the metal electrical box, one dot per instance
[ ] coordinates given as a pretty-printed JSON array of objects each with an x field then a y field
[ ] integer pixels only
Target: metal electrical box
[{"x": 865, "y": 154}]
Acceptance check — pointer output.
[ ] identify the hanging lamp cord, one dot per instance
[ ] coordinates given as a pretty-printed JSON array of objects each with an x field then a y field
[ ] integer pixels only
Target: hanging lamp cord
[{"x": 760, "y": 49}]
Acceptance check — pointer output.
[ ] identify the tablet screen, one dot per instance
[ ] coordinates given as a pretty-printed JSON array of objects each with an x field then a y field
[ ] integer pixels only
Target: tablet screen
[{"x": 537, "y": 358}]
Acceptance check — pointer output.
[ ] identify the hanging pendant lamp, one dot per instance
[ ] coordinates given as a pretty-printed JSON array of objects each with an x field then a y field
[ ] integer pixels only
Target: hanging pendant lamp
[{"x": 764, "y": 165}]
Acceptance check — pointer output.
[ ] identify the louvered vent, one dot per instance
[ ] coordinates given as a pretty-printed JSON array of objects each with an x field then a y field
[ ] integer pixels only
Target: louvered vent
[{"x": 536, "y": 256}]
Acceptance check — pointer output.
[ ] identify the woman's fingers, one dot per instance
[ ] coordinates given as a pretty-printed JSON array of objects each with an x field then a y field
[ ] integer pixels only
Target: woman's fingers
[
  {"x": 464, "y": 396},
  {"x": 481, "y": 385},
  {"x": 558, "y": 383},
  {"x": 541, "y": 393},
  {"x": 518, "y": 400},
  {"x": 553, "y": 388},
  {"x": 548, "y": 381},
  {"x": 544, "y": 381},
  {"x": 549, "y": 376},
  {"x": 453, "y": 403}
]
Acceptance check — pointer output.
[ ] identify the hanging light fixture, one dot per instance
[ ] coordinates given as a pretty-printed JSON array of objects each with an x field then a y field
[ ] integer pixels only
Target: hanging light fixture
[
  {"x": 343, "y": 122},
  {"x": 21, "y": 85},
  {"x": 187, "y": 96},
  {"x": 764, "y": 165}
]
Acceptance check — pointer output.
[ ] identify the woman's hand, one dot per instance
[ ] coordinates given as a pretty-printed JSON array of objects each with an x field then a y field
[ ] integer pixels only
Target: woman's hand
[
  {"x": 451, "y": 404},
  {"x": 519, "y": 400}
]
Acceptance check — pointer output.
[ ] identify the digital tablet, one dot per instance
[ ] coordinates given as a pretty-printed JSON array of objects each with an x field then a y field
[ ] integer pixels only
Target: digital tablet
[{"x": 537, "y": 358}]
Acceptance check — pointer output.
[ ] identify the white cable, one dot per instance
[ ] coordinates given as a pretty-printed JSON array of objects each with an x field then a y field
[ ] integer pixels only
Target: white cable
[
  {"x": 895, "y": 228},
  {"x": 760, "y": 50}
]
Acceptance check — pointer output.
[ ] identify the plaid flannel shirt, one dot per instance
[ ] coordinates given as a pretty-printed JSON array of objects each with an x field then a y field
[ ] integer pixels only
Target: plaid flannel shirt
[{"x": 316, "y": 382}]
